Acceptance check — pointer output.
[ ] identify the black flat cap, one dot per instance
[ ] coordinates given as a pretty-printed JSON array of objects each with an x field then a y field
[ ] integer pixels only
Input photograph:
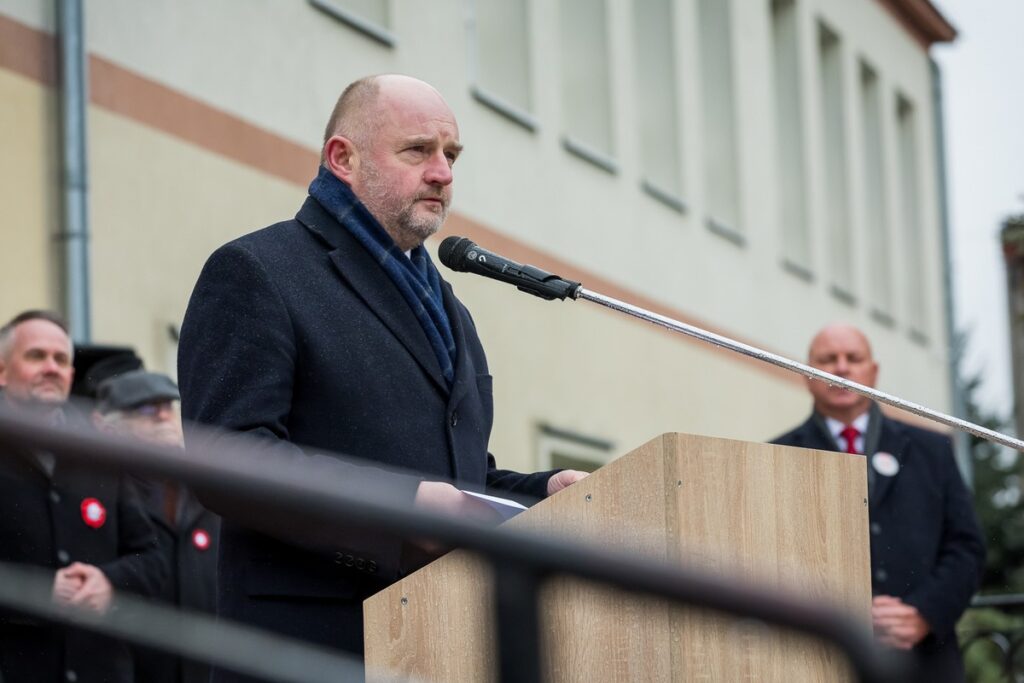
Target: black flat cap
[{"x": 133, "y": 389}]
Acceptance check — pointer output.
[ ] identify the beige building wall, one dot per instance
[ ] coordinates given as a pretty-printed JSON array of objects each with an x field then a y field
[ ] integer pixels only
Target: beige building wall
[
  {"x": 27, "y": 178},
  {"x": 205, "y": 122}
]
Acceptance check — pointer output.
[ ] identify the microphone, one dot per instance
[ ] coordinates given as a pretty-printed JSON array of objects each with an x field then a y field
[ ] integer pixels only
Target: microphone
[{"x": 463, "y": 255}]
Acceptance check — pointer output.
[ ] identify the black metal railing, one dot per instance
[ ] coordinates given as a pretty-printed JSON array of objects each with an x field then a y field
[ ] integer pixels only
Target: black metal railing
[{"x": 316, "y": 496}]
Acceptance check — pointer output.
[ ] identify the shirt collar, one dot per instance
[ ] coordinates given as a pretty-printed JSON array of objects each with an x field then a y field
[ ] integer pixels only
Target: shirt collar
[{"x": 860, "y": 423}]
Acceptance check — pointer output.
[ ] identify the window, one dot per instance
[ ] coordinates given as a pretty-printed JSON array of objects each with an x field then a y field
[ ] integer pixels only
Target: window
[
  {"x": 559, "y": 448},
  {"x": 841, "y": 257},
  {"x": 501, "y": 63},
  {"x": 586, "y": 93},
  {"x": 370, "y": 17},
  {"x": 721, "y": 184},
  {"x": 910, "y": 217},
  {"x": 657, "y": 110},
  {"x": 875, "y": 200},
  {"x": 792, "y": 175}
]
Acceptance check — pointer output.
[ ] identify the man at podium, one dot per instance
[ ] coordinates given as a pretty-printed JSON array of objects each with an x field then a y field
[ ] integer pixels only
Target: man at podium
[
  {"x": 927, "y": 552},
  {"x": 334, "y": 332}
]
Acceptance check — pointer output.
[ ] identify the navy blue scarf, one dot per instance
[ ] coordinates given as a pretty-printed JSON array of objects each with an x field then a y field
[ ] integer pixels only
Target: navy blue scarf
[{"x": 416, "y": 276}]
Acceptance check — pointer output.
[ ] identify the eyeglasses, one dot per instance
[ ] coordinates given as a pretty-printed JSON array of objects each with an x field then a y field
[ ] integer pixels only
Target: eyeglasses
[{"x": 150, "y": 409}]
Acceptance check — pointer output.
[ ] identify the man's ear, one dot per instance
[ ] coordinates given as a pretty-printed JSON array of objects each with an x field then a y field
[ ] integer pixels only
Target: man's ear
[
  {"x": 3, "y": 373},
  {"x": 341, "y": 157}
]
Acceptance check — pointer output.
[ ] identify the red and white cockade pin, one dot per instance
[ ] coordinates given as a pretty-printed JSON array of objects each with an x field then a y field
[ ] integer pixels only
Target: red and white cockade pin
[
  {"x": 201, "y": 539},
  {"x": 93, "y": 513}
]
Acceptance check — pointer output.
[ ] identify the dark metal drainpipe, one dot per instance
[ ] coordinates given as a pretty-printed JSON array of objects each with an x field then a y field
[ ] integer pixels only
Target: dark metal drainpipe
[{"x": 74, "y": 235}]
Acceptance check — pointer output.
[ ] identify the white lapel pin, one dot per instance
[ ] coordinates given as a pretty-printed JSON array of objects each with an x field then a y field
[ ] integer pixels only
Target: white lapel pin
[{"x": 885, "y": 464}]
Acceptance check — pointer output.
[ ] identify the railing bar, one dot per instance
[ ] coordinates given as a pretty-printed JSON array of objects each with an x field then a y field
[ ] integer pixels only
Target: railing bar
[
  {"x": 517, "y": 620},
  {"x": 194, "y": 635},
  {"x": 311, "y": 496}
]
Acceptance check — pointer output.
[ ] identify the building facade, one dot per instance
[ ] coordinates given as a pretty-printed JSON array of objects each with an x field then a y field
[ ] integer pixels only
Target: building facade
[{"x": 755, "y": 167}]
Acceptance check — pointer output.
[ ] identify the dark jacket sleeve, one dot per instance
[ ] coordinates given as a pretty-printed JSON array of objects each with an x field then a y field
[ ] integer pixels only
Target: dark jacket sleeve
[
  {"x": 956, "y": 574},
  {"x": 534, "y": 485},
  {"x": 142, "y": 565},
  {"x": 236, "y": 364}
]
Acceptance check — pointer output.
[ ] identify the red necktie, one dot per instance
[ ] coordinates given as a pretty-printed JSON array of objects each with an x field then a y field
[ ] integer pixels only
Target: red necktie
[{"x": 850, "y": 433}]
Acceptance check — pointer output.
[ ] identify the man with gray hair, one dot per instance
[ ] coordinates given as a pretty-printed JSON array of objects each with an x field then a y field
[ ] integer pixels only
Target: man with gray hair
[
  {"x": 85, "y": 527},
  {"x": 141, "y": 405}
]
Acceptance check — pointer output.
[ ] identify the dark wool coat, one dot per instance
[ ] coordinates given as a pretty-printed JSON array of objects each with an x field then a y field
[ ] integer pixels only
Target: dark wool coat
[
  {"x": 190, "y": 544},
  {"x": 43, "y": 523},
  {"x": 295, "y": 334}
]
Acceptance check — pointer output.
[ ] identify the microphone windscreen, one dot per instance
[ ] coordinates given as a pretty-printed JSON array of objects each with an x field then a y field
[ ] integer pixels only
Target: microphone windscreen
[{"x": 452, "y": 252}]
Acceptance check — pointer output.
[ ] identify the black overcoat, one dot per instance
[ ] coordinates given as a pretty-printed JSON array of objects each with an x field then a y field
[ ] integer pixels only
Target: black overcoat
[
  {"x": 296, "y": 334},
  {"x": 926, "y": 545},
  {"x": 43, "y": 522},
  {"x": 190, "y": 544}
]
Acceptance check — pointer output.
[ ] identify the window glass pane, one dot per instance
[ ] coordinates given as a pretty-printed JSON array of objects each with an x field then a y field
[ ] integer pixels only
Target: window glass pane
[
  {"x": 586, "y": 99},
  {"x": 789, "y": 137},
  {"x": 875, "y": 200},
  {"x": 655, "y": 76},
  {"x": 917, "y": 312},
  {"x": 718, "y": 113},
  {"x": 841, "y": 255},
  {"x": 557, "y": 448},
  {"x": 502, "y": 52}
]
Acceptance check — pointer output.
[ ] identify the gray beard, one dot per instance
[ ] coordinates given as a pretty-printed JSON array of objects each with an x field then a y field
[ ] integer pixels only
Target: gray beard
[{"x": 398, "y": 221}]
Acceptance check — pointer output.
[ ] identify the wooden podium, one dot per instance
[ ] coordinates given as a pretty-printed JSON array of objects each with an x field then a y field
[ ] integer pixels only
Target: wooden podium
[{"x": 791, "y": 519}]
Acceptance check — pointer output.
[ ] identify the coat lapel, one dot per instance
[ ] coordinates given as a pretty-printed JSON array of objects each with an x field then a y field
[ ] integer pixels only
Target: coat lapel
[
  {"x": 465, "y": 377},
  {"x": 894, "y": 441},
  {"x": 816, "y": 434},
  {"x": 189, "y": 509},
  {"x": 369, "y": 281}
]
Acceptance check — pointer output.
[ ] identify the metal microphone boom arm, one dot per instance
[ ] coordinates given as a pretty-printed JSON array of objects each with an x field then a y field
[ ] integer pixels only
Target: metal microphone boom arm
[{"x": 548, "y": 286}]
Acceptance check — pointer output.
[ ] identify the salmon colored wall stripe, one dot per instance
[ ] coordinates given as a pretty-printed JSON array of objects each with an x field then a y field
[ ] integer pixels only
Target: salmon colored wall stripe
[
  {"x": 138, "y": 98},
  {"x": 27, "y": 52}
]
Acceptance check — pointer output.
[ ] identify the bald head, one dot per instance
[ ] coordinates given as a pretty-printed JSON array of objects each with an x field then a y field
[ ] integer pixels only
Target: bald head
[
  {"x": 839, "y": 332},
  {"x": 357, "y": 115},
  {"x": 844, "y": 351},
  {"x": 352, "y": 111}
]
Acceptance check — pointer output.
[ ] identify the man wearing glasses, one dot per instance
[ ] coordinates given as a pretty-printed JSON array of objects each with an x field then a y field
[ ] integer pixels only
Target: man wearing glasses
[{"x": 141, "y": 405}]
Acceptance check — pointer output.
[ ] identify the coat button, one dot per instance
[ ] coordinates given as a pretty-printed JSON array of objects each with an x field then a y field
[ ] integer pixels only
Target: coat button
[
  {"x": 455, "y": 419},
  {"x": 63, "y": 558},
  {"x": 876, "y": 528},
  {"x": 881, "y": 575},
  {"x": 54, "y": 496},
  {"x": 70, "y": 676}
]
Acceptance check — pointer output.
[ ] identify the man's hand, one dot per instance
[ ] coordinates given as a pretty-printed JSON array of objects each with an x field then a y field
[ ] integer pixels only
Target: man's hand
[
  {"x": 65, "y": 586},
  {"x": 94, "y": 590},
  {"x": 896, "y": 623},
  {"x": 437, "y": 496},
  {"x": 565, "y": 478}
]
